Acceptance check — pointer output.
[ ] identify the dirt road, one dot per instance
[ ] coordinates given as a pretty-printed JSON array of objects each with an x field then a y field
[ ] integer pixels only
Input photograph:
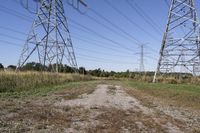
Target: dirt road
[
  {"x": 111, "y": 109},
  {"x": 88, "y": 109}
]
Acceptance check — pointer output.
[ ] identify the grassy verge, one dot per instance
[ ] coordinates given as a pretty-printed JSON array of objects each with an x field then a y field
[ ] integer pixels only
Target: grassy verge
[
  {"x": 183, "y": 95},
  {"x": 44, "y": 91},
  {"x": 26, "y": 81},
  {"x": 35, "y": 110}
]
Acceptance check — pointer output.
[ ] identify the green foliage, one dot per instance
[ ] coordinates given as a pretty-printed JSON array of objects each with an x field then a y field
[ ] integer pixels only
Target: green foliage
[
  {"x": 187, "y": 95},
  {"x": 1, "y": 66},
  {"x": 12, "y": 67},
  {"x": 96, "y": 72},
  {"x": 82, "y": 70},
  {"x": 33, "y": 66},
  {"x": 172, "y": 78}
]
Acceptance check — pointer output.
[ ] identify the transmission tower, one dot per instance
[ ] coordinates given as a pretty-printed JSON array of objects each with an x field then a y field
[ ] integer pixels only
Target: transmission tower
[
  {"x": 142, "y": 59},
  {"x": 181, "y": 41},
  {"x": 49, "y": 37}
]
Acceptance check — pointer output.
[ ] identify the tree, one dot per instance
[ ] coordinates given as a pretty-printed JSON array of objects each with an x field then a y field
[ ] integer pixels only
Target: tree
[
  {"x": 68, "y": 69},
  {"x": 82, "y": 70},
  {"x": 29, "y": 66},
  {"x": 1, "y": 66},
  {"x": 34, "y": 66},
  {"x": 96, "y": 72},
  {"x": 12, "y": 67}
]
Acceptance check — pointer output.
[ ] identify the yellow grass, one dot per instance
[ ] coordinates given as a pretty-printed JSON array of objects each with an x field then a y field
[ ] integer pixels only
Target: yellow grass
[{"x": 21, "y": 81}]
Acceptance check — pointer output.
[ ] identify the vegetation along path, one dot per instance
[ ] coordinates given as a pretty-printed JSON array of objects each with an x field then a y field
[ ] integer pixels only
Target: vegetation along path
[{"x": 91, "y": 107}]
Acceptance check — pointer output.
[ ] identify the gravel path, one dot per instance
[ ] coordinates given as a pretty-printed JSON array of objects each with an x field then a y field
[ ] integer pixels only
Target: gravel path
[
  {"x": 115, "y": 98},
  {"x": 104, "y": 97}
]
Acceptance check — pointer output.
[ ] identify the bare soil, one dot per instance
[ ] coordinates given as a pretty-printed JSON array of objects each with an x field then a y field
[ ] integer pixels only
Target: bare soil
[{"x": 105, "y": 108}]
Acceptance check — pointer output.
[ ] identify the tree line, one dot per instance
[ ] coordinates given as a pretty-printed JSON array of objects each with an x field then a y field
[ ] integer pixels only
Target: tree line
[{"x": 63, "y": 68}]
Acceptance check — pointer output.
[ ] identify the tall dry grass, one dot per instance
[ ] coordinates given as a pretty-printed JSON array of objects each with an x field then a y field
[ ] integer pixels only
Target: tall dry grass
[
  {"x": 165, "y": 79},
  {"x": 11, "y": 81}
]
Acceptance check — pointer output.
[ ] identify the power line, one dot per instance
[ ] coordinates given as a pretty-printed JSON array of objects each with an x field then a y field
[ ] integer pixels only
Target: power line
[
  {"x": 94, "y": 32},
  {"x": 108, "y": 21},
  {"x": 77, "y": 47},
  {"x": 107, "y": 27},
  {"x": 93, "y": 59},
  {"x": 79, "y": 38},
  {"x": 11, "y": 43},
  {"x": 114, "y": 42},
  {"x": 100, "y": 53},
  {"x": 90, "y": 31},
  {"x": 150, "y": 48},
  {"x": 114, "y": 25},
  {"x": 85, "y": 39},
  {"x": 10, "y": 29},
  {"x": 130, "y": 20},
  {"x": 88, "y": 58},
  {"x": 14, "y": 13},
  {"x": 11, "y": 37},
  {"x": 167, "y": 3},
  {"x": 91, "y": 39},
  {"x": 150, "y": 57},
  {"x": 145, "y": 16},
  {"x": 79, "y": 25},
  {"x": 30, "y": 20},
  {"x": 96, "y": 44},
  {"x": 101, "y": 60},
  {"x": 18, "y": 31},
  {"x": 8, "y": 9}
]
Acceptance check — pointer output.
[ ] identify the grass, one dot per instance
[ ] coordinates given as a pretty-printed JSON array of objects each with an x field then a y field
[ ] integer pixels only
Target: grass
[
  {"x": 44, "y": 91},
  {"x": 113, "y": 120},
  {"x": 31, "y": 95},
  {"x": 35, "y": 109},
  {"x": 184, "y": 95},
  {"x": 26, "y": 81}
]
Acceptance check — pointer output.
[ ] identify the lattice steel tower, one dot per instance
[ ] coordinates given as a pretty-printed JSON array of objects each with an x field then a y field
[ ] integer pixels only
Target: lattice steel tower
[
  {"x": 181, "y": 41},
  {"x": 142, "y": 59},
  {"x": 49, "y": 37}
]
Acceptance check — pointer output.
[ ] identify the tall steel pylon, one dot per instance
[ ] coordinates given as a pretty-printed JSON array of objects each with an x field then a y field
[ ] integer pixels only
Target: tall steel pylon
[
  {"x": 142, "y": 59},
  {"x": 181, "y": 40},
  {"x": 49, "y": 37}
]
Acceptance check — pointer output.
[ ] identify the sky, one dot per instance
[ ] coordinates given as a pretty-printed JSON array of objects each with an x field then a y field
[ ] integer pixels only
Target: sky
[{"x": 113, "y": 45}]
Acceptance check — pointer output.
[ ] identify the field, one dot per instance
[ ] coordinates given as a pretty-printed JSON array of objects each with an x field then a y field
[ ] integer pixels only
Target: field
[
  {"x": 30, "y": 81},
  {"x": 34, "y": 102},
  {"x": 182, "y": 95}
]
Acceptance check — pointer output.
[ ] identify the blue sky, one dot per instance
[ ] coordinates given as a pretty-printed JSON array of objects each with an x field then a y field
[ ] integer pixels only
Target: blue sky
[{"x": 91, "y": 50}]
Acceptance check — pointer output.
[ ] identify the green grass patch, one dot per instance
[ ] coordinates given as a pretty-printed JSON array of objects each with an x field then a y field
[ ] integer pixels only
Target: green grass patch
[
  {"x": 188, "y": 88},
  {"x": 47, "y": 90},
  {"x": 186, "y": 95}
]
